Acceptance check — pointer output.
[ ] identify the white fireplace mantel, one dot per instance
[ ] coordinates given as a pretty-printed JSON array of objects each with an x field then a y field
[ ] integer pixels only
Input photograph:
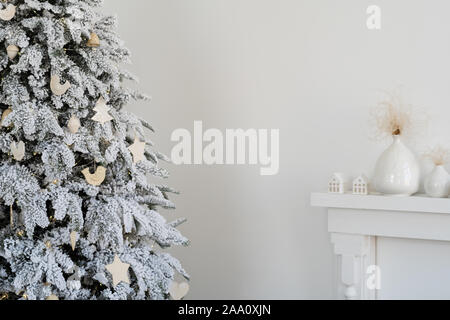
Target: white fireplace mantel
[{"x": 356, "y": 221}]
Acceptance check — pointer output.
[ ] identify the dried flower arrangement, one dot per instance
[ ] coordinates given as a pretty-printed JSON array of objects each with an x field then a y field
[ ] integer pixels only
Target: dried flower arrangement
[
  {"x": 439, "y": 155},
  {"x": 393, "y": 117}
]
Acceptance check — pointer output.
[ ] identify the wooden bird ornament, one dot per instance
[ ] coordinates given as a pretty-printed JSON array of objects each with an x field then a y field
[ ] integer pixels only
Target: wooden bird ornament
[
  {"x": 97, "y": 178},
  {"x": 57, "y": 88},
  {"x": 8, "y": 13}
]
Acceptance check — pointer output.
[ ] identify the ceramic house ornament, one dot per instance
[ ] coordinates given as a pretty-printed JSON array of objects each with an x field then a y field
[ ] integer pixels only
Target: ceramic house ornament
[
  {"x": 8, "y": 13},
  {"x": 57, "y": 88},
  {"x": 361, "y": 185},
  {"x": 12, "y": 51},
  {"x": 338, "y": 183}
]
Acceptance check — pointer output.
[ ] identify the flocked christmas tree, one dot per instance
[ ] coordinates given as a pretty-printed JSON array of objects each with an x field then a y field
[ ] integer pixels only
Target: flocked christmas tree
[{"x": 79, "y": 182}]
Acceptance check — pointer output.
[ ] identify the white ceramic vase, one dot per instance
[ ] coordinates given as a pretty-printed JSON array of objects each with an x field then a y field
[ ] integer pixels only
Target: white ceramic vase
[
  {"x": 397, "y": 172},
  {"x": 437, "y": 183}
]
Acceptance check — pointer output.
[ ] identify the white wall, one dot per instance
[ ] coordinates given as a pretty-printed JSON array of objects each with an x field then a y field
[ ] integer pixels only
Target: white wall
[{"x": 309, "y": 68}]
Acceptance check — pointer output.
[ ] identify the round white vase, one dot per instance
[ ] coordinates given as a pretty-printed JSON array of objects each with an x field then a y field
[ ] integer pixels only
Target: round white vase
[
  {"x": 397, "y": 172},
  {"x": 436, "y": 183}
]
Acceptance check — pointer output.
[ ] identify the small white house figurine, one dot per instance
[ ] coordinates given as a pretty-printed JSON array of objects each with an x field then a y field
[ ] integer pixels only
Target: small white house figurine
[
  {"x": 338, "y": 183},
  {"x": 361, "y": 185}
]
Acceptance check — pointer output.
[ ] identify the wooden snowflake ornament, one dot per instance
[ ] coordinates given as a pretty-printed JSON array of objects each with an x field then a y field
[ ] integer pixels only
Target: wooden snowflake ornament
[
  {"x": 102, "y": 110},
  {"x": 119, "y": 271},
  {"x": 8, "y": 13},
  {"x": 138, "y": 150},
  {"x": 57, "y": 88},
  {"x": 97, "y": 178}
]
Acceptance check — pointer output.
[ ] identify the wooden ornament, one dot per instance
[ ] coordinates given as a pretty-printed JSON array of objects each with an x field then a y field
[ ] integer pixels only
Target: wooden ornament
[
  {"x": 18, "y": 150},
  {"x": 178, "y": 290},
  {"x": 102, "y": 110},
  {"x": 74, "y": 124},
  {"x": 12, "y": 51},
  {"x": 119, "y": 271},
  {"x": 52, "y": 297},
  {"x": 97, "y": 178},
  {"x": 4, "y": 115},
  {"x": 73, "y": 239},
  {"x": 8, "y": 13},
  {"x": 138, "y": 150},
  {"x": 94, "y": 41},
  {"x": 58, "y": 88}
]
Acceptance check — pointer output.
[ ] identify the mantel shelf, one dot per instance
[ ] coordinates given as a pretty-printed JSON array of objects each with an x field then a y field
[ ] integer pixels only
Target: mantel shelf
[
  {"x": 356, "y": 222},
  {"x": 419, "y": 203}
]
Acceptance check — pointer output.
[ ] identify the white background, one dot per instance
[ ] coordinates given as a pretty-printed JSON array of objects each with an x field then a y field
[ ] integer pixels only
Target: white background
[{"x": 309, "y": 68}]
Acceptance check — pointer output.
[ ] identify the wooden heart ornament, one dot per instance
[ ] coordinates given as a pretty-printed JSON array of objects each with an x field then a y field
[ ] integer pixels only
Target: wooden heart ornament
[
  {"x": 74, "y": 124},
  {"x": 18, "y": 150},
  {"x": 97, "y": 178},
  {"x": 178, "y": 290},
  {"x": 58, "y": 88},
  {"x": 8, "y": 13}
]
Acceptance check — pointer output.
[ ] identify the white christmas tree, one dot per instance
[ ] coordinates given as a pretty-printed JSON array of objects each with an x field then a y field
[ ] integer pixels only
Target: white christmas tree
[{"x": 79, "y": 183}]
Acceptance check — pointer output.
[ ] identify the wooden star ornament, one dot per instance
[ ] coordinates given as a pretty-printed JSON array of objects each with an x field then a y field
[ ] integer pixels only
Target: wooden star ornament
[
  {"x": 138, "y": 150},
  {"x": 102, "y": 110},
  {"x": 119, "y": 271}
]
